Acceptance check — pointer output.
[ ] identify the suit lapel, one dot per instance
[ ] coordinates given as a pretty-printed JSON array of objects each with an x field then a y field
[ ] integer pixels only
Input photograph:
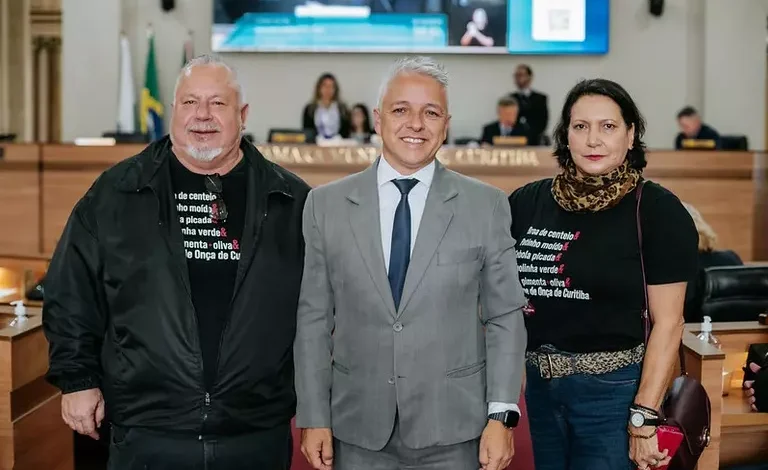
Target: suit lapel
[
  {"x": 366, "y": 229},
  {"x": 434, "y": 223}
]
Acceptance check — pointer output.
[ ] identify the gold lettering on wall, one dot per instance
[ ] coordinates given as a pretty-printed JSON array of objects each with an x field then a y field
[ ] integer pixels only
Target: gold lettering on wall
[{"x": 313, "y": 155}]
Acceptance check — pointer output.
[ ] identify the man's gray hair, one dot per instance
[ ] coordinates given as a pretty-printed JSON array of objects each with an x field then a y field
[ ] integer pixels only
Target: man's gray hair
[
  {"x": 419, "y": 65},
  {"x": 212, "y": 60}
]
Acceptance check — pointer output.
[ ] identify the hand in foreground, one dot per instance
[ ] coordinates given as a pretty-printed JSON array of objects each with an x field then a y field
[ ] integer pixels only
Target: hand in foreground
[
  {"x": 749, "y": 384},
  {"x": 644, "y": 452},
  {"x": 497, "y": 446},
  {"x": 83, "y": 411},
  {"x": 317, "y": 447}
]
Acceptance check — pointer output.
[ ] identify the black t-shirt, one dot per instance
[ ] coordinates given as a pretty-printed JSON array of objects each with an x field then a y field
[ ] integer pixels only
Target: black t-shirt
[
  {"x": 212, "y": 251},
  {"x": 581, "y": 271}
]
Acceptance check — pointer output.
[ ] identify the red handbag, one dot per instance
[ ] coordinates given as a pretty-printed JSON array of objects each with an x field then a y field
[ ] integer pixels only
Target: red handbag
[{"x": 686, "y": 410}]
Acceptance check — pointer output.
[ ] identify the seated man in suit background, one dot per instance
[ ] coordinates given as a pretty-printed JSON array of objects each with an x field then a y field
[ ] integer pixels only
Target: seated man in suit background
[
  {"x": 508, "y": 111},
  {"x": 534, "y": 111},
  {"x": 691, "y": 127}
]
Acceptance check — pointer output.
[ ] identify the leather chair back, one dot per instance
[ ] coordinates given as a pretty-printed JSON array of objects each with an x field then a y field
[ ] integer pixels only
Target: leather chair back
[{"x": 734, "y": 293}]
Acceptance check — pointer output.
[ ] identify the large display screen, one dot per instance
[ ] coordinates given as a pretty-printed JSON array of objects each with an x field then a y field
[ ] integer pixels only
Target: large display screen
[{"x": 412, "y": 26}]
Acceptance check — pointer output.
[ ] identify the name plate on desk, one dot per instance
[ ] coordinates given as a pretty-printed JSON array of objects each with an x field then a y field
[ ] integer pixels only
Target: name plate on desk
[
  {"x": 699, "y": 144},
  {"x": 510, "y": 141},
  {"x": 288, "y": 138}
]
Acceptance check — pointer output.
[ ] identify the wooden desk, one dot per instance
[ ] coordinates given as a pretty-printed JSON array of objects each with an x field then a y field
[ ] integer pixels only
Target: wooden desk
[
  {"x": 739, "y": 435},
  {"x": 32, "y": 434},
  {"x": 730, "y": 189}
]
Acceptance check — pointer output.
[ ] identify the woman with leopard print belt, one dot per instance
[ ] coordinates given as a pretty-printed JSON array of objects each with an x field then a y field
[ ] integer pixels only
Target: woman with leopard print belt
[{"x": 578, "y": 255}]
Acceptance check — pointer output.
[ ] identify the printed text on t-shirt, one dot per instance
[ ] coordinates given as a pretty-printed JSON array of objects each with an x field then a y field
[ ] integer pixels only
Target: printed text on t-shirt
[
  {"x": 542, "y": 252},
  {"x": 203, "y": 240}
]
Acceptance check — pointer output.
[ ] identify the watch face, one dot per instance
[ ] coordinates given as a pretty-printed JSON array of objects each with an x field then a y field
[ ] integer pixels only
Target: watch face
[
  {"x": 511, "y": 419},
  {"x": 637, "y": 420}
]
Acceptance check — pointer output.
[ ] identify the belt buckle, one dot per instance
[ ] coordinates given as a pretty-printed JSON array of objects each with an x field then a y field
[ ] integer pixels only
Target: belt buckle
[{"x": 550, "y": 374}]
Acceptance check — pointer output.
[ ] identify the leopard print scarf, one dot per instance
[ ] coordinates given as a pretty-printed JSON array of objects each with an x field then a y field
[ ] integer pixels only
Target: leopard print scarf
[{"x": 576, "y": 193}]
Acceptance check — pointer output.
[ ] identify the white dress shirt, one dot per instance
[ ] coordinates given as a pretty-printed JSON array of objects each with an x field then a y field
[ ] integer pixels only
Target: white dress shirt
[{"x": 389, "y": 198}]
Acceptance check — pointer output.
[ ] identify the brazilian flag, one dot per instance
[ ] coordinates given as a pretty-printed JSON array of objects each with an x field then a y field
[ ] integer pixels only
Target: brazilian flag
[{"x": 151, "y": 115}]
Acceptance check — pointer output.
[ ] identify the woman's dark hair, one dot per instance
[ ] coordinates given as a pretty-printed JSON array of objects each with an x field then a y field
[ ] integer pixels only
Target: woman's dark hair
[
  {"x": 319, "y": 83},
  {"x": 367, "y": 129},
  {"x": 629, "y": 112}
]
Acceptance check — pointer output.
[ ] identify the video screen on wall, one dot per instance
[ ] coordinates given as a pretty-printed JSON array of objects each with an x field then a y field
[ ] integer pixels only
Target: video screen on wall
[{"x": 412, "y": 26}]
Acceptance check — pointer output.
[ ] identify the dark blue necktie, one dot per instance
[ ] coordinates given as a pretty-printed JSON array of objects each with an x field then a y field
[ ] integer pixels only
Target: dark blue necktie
[{"x": 400, "y": 254}]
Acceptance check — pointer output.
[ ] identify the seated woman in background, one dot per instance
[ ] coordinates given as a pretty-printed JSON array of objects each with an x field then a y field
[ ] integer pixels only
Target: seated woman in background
[
  {"x": 326, "y": 114},
  {"x": 708, "y": 257},
  {"x": 360, "y": 128}
]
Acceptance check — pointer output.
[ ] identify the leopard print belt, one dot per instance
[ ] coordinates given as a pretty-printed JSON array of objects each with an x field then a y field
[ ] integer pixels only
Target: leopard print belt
[{"x": 552, "y": 364}]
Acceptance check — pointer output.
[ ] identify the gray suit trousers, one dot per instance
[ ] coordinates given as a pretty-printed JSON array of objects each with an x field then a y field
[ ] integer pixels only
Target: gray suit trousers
[{"x": 396, "y": 456}]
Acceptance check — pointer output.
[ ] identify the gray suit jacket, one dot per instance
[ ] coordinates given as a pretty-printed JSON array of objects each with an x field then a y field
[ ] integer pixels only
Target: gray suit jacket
[{"x": 438, "y": 360}]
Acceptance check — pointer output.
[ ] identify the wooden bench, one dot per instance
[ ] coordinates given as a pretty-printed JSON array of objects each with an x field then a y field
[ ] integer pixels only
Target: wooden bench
[{"x": 739, "y": 435}]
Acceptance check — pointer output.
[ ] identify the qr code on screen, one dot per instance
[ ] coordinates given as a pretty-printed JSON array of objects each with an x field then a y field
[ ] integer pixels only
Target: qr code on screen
[{"x": 559, "y": 20}]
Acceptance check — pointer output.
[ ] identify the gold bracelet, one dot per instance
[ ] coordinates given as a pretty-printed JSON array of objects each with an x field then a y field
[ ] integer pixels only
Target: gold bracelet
[{"x": 640, "y": 436}]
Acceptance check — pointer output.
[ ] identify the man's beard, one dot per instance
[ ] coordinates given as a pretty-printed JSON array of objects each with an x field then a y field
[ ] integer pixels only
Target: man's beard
[{"x": 205, "y": 155}]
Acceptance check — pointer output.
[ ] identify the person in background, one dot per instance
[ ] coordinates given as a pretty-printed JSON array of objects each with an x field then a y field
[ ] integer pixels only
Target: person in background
[
  {"x": 708, "y": 257},
  {"x": 326, "y": 115},
  {"x": 691, "y": 127},
  {"x": 508, "y": 123},
  {"x": 360, "y": 124},
  {"x": 534, "y": 110},
  {"x": 397, "y": 366},
  {"x": 757, "y": 390},
  {"x": 593, "y": 390},
  {"x": 474, "y": 35},
  {"x": 162, "y": 306}
]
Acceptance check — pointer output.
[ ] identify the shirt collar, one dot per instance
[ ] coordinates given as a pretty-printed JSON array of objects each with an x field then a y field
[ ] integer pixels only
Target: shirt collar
[{"x": 385, "y": 173}]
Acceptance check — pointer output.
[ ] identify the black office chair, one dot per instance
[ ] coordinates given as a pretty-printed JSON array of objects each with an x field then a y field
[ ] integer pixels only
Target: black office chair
[
  {"x": 734, "y": 293},
  {"x": 465, "y": 140},
  {"x": 734, "y": 142}
]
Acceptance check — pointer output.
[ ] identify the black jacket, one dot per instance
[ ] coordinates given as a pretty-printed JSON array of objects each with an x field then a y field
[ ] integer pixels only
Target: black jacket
[
  {"x": 118, "y": 313},
  {"x": 534, "y": 112}
]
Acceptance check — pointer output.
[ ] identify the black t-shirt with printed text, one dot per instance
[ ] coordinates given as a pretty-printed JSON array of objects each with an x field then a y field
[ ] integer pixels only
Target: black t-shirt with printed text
[
  {"x": 212, "y": 250},
  {"x": 581, "y": 271}
]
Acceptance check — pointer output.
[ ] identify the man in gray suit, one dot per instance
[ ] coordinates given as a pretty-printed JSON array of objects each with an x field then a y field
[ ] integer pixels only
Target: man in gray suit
[{"x": 396, "y": 363}]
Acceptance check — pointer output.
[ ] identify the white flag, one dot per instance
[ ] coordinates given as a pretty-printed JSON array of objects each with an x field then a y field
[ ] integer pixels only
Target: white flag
[{"x": 126, "y": 106}]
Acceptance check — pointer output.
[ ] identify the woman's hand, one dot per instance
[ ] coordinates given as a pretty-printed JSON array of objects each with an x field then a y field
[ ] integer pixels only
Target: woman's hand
[{"x": 644, "y": 452}]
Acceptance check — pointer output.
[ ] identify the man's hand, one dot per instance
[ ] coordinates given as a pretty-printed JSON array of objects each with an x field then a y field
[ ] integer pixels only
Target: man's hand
[
  {"x": 83, "y": 411},
  {"x": 749, "y": 384},
  {"x": 317, "y": 447},
  {"x": 497, "y": 446}
]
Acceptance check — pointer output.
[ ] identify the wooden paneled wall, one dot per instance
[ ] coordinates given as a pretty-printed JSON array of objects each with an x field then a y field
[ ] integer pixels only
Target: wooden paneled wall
[{"x": 40, "y": 184}]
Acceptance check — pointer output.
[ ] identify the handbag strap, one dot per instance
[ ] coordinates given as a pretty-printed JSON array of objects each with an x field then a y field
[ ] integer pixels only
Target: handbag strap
[{"x": 646, "y": 315}]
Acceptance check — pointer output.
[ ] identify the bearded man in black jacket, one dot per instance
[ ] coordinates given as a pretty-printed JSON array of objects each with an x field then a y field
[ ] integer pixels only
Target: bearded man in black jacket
[{"x": 170, "y": 303}]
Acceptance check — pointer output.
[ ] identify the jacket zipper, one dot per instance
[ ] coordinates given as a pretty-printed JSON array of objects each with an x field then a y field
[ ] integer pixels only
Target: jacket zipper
[
  {"x": 256, "y": 240},
  {"x": 194, "y": 319}
]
